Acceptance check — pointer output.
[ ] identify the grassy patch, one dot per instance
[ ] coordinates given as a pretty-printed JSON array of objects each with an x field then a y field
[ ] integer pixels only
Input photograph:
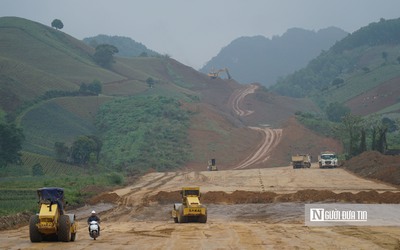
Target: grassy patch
[
  {"x": 50, "y": 122},
  {"x": 18, "y": 194},
  {"x": 144, "y": 132},
  {"x": 17, "y": 200},
  {"x": 362, "y": 82}
]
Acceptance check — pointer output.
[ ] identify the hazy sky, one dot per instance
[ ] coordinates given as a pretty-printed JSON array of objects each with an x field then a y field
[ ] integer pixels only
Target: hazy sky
[{"x": 192, "y": 32}]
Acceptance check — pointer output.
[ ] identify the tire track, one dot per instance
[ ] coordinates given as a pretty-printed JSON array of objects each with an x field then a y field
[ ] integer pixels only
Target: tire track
[
  {"x": 261, "y": 181},
  {"x": 271, "y": 138},
  {"x": 136, "y": 199},
  {"x": 238, "y": 97}
]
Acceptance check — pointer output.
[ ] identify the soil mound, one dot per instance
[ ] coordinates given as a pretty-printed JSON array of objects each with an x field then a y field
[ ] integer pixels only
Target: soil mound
[
  {"x": 239, "y": 197},
  {"x": 104, "y": 198},
  {"x": 308, "y": 195},
  {"x": 375, "y": 165},
  {"x": 14, "y": 221}
]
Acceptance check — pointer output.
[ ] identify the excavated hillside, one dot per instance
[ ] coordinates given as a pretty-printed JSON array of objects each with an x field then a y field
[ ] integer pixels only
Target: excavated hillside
[{"x": 248, "y": 127}]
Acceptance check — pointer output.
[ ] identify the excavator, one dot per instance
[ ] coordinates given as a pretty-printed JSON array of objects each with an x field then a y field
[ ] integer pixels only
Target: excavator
[{"x": 215, "y": 73}]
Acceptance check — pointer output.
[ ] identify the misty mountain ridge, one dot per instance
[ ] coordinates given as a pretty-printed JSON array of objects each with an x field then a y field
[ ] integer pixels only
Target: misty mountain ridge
[
  {"x": 264, "y": 60},
  {"x": 360, "y": 71},
  {"x": 127, "y": 47}
]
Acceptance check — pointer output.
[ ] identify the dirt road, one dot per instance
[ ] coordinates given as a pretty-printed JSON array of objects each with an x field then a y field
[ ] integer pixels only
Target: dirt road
[
  {"x": 269, "y": 138},
  {"x": 237, "y": 100},
  {"x": 139, "y": 216}
]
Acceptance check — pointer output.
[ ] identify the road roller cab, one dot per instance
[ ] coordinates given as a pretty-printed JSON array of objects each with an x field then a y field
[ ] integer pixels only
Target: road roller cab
[
  {"x": 52, "y": 221},
  {"x": 190, "y": 210}
]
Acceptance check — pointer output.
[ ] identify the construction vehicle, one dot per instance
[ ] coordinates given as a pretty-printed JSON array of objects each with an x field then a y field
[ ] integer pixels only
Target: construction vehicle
[
  {"x": 52, "y": 222},
  {"x": 215, "y": 73},
  {"x": 301, "y": 161},
  {"x": 212, "y": 165},
  {"x": 190, "y": 210},
  {"x": 327, "y": 159}
]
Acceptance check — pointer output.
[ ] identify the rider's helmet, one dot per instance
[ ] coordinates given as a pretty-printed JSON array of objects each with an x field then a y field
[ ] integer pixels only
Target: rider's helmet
[{"x": 93, "y": 212}]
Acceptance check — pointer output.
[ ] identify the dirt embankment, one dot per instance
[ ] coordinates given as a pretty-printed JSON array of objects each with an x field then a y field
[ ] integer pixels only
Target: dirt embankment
[
  {"x": 14, "y": 221},
  {"x": 310, "y": 195},
  {"x": 374, "y": 165}
]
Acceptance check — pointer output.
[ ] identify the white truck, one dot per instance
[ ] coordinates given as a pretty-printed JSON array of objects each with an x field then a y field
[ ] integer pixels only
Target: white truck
[{"x": 327, "y": 159}]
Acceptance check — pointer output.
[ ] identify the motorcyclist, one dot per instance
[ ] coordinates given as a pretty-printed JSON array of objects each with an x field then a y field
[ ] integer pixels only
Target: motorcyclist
[{"x": 94, "y": 217}]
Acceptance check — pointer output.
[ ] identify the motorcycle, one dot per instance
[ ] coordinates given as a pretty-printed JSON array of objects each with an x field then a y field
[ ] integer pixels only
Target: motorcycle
[{"x": 94, "y": 231}]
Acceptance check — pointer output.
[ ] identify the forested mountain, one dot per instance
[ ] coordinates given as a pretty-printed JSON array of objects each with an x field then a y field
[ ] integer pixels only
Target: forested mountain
[
  {"x": 263, "y": 60},
  {"x": 127, "y": 47},
  {"x": 359, "y": 63}
]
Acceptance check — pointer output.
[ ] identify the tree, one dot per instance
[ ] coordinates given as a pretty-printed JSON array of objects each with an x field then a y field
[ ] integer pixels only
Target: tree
[
  {"x": 385, "y": 56},
  {"x": 379, "y": 143},
  {"x": 61, "y": 151},
  {"x": 366, "y": 69},
  {"x": 103, "y": 55},
  {"x": 351, "y": 127},
  {"x": 335, "y": 111},
  {"x": 337, "y": 81},
  {"x": 363, "y": 141},
  {"x": 81, "y": 149},
  {"x": 83, "y": 88},
  {"x": 57, "y": 24},
  {"x": 150, "y": 82},
  {"x": 85, "y": 149},
  {"x": 98, "y": 146},
  {"x": 95, "y": 87},
  {"x": 390, "y": 124},
  {"x": 11, "y": 139}
]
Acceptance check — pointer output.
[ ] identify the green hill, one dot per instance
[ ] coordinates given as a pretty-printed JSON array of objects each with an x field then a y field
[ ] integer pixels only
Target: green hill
[
  {"x": 59, "y": 120},
  {"x": 126, "y": 46},
  {"x": 364, "y": 65},
  {"x": 36, "y": 58}
]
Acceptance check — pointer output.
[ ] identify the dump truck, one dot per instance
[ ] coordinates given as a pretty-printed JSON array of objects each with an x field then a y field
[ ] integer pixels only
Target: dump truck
[
  {"x": 301, "y": 161},
  {"x": 190, "y": 210},
  {"x": 212, "y": 166},
  {"x": 52, "y": 222},
  {"x": 327, "y": 159}
]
